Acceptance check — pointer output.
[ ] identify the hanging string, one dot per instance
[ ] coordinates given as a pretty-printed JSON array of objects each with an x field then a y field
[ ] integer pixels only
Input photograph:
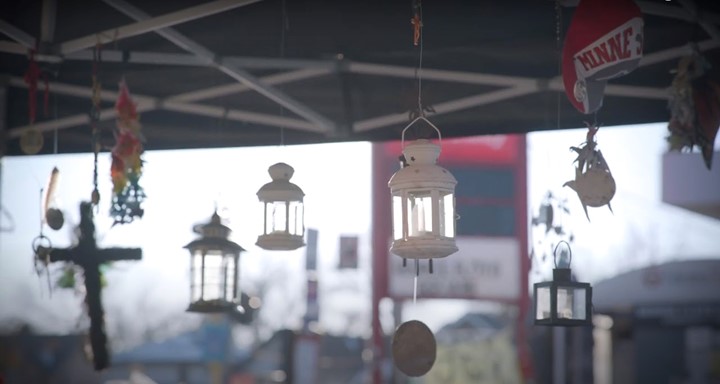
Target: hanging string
[
  {"x": 417, "y": 22},
  {"x": 415, "y": 279},
  {"x": 284, "y": 26},
  {"x": 558, "y": 48}
]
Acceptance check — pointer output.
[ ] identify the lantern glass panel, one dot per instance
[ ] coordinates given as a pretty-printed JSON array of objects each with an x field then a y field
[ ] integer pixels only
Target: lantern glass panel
[
  {"x": 397, "y": 217},
  {"x": 419, "y": 208},
  {"x": 542, "y": 310},
  {"x": 571, "y": 303},
  {"x": 447, "y": 214},
  {"x": 230, "y": 278},
  {"x": 214, "y": 276},
  {"x": 295, "y": 218},
  {"x": 276, "y": 217},
  {"x": 196, "y": 276}
]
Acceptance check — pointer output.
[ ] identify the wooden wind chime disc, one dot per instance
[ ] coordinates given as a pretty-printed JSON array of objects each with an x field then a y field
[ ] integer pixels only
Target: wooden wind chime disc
[
  {"x": 414, "y": 348},
  {"x": 54, "y": 218}
]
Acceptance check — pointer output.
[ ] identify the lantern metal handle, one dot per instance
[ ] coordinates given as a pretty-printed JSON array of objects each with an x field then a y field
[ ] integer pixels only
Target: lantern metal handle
[
  {"x": 555, "y": 253},
  {"x": 415, "y": 121}
]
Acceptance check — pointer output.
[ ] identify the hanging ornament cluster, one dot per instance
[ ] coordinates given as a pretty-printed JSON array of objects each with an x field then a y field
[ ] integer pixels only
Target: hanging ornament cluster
[
  {"x": 604, "y": 41},
  {"x": 593, "y": 183},
  {"x": 127, "y": 163},
  {"x": 694, "y": 107}
]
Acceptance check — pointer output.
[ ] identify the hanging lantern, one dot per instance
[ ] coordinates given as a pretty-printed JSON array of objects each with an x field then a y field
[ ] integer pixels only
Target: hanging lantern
[
  {"x": 214, "y": 269},
  {"x": 423, "y": 202},
  {"x": 563, "y": 302},
  {"x": 282, "y": 201}
]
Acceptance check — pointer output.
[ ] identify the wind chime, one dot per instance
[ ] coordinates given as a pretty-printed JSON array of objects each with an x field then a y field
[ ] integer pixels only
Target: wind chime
[{"x": 423, "y": 214}]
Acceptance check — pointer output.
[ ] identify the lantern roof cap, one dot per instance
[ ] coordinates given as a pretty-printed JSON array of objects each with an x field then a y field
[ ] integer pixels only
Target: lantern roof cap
[
  {"x": 280, "y": 188},
  {"x": 215, "y": 243},
  {"x": 281, "y": 171},
  {"x": 213, "y": 229},
  {"x": 421, "y": 152}
]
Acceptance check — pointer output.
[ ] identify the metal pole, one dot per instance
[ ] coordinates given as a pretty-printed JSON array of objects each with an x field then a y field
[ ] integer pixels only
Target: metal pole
[{"x": 558, "y": 371}]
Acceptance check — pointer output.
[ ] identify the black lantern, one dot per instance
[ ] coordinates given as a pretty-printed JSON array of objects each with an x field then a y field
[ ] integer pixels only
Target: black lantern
[
  {"x": 563, "y": 302},
  {"x": 214, "y": 269}
]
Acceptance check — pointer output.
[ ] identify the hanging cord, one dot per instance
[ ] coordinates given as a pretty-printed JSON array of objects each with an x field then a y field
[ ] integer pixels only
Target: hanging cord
[
  {"x": 558, "y": 48},
  {"x": 41, "y": 246}
]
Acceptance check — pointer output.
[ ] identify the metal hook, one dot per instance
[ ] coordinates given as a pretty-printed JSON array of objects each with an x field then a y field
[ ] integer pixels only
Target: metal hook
[
  {"x": 415, "y": 120},
  {"x": 555, "y": 253}
]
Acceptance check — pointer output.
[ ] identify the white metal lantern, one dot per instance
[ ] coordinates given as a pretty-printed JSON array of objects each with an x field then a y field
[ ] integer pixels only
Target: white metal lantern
[
  {"x": 282, "y": 201},
  {"x": 423, "y": 203},
  {"x": 214, "y": 269}
]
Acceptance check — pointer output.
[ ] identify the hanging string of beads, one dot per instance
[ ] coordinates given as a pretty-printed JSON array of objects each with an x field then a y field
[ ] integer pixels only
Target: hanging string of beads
[{"x": 127, "y": 163}]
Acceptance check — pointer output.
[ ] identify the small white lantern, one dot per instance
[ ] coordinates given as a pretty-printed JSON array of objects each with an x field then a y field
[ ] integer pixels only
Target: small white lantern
[
  {"x": 423, "y": 203},
  {"x": 214, "y": 269},
  {"x": 282, "y": 201}
]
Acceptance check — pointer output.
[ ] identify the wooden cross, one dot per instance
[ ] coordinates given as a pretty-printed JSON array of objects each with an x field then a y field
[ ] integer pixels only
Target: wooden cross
[{"x": 88, "y": 256}]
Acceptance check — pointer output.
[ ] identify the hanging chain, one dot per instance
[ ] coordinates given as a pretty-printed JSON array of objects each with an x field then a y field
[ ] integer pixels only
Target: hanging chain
[{"x": 95, "y": 118}]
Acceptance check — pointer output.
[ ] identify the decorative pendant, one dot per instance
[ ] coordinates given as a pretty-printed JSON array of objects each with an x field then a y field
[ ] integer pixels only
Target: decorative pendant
[
  {"x": 594, "y": 183},
  {"x": 31, "y": 141}
]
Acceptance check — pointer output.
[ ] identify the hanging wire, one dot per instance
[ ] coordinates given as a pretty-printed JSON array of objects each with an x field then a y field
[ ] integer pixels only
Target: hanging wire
[
  {"x": 555, "y": 255},
  {"x": 420, "y": 60}
]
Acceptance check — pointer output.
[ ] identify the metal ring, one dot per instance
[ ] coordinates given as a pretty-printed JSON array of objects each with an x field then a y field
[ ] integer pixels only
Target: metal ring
[
  {"x": 555, "y": 253},
  {"x": 36, "y": 243},
  {"x": 402, "y": 143}
]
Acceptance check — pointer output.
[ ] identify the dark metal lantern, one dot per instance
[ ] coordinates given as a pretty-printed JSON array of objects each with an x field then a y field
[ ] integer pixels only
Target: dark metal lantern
[
  {"x": 562, "y": 302},
  {"x": 214, "y": 269}
]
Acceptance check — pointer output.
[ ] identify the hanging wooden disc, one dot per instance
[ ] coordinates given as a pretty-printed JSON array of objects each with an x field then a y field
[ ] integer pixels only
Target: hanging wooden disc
[
  {"x": 31, "y": 141},
  {"x": 54, "y": 218},
  {"x": 414, "y": 348}
]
